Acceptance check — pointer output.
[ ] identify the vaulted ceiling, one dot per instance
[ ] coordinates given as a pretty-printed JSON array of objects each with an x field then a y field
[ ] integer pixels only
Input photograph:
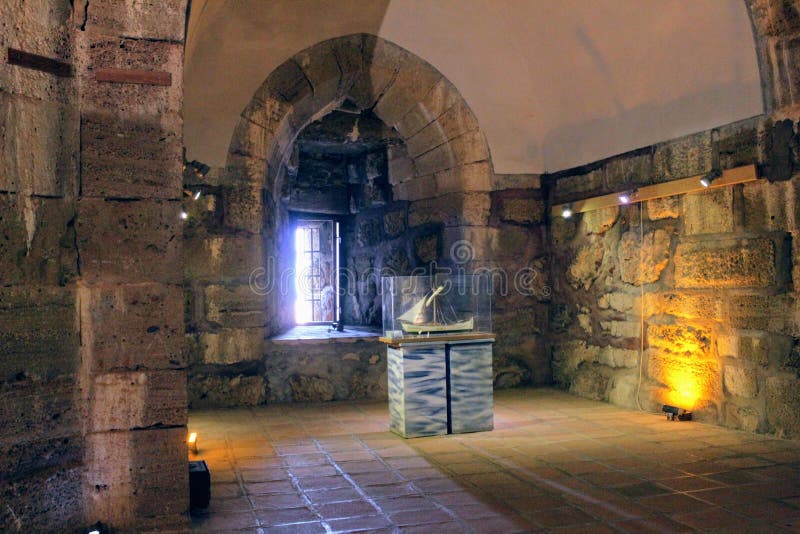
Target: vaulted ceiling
[{"x": 553, "y": 84}]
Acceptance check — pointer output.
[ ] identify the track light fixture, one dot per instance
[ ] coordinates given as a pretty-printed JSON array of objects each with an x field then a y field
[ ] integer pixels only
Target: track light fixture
[
  {"x": 709, "y": 178},
  {"x": 624, "y": 198},
  {"x": 566, "y": 211}
]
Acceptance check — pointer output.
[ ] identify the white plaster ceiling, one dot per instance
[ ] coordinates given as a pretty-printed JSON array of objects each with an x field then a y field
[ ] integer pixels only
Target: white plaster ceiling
[{"x": 553, "y": 83}]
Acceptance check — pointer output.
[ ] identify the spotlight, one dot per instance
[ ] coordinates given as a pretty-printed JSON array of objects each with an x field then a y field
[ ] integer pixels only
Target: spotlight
[
  {"x": 566, "y": 211},
  {"x": 673, "y": 412},
  {"x": 709, "y": 178},
  {"x": 184, "y": 215},
  {"x": 624, "y": 198},
  {"x": 197, "y": 194}
]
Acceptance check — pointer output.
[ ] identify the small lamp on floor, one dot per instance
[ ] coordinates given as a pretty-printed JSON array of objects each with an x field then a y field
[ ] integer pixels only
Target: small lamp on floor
[{"x": 192, "y": 442}]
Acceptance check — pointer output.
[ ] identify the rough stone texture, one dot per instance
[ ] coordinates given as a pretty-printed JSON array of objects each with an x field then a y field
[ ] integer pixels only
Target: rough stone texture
[
  {"x": 132, "y": 327},
  {"x": 232, "y": 345},
  {"x": 224, "y": 258},
  {"x": 740, "y": 381},
  {"x": 151, "y": 19},
  {"x": 522, "y": 210},
  {"x": 725, "y": 263},
  {"x": 226, "y": 391},
  {"x": 598, "y": 221},
  {"x": 664, "y": 208},
  {"x": 783, "y": 398},
  {"x": 234, "y": 306},
  {"x": 129, "y": 240},
  {"x": 709, "y": 212},
  {"x": 585, "y": 267},
  {"x": 641, "y": 262}
]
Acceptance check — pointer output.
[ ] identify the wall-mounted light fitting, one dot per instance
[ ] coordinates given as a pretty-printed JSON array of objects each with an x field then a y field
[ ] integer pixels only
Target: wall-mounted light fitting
[
  {"x": 692, "y": 184},
  {"x": 184, "y": 215}
]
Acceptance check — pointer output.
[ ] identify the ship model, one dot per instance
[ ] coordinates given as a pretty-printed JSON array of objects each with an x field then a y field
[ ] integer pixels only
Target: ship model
[{"x": 433, "y": 315}]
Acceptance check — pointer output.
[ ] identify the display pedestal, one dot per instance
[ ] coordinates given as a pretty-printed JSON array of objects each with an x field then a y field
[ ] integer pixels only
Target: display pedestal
[{"x": 440, "y": 385}]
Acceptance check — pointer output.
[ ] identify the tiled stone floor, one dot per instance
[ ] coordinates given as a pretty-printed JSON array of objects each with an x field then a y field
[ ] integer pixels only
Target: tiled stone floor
[{"x": 554, "y": 463}]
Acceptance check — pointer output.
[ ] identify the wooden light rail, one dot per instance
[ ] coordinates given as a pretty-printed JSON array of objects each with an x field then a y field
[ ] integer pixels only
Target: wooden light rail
[{"x": 738, "y": 175}]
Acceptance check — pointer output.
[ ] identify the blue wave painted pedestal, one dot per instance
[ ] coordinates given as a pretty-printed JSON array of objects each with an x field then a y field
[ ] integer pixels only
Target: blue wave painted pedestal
[{"x": 440, "y": 387}]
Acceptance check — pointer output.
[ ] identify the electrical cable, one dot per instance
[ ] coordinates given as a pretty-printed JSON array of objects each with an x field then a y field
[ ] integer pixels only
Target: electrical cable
[{"x": 641, "y": 304}]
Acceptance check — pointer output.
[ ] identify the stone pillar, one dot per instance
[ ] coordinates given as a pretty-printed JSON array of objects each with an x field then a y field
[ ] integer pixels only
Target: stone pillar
[{"x": 128, "y": 235}]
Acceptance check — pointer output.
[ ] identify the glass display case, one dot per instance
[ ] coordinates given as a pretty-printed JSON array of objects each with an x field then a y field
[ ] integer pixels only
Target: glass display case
[{"x": 436, "y": 306}]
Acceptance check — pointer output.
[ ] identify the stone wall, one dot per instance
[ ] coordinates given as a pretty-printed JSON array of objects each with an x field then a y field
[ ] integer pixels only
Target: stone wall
[
  {"x": 92, "y": 386},
  {"x": 446, "y": 210},
  {"x": 694, "y": 292}
]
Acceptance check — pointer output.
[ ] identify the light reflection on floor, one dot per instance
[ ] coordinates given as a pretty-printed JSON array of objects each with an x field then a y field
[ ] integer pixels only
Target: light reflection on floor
[{"x": 553, "y": 462}]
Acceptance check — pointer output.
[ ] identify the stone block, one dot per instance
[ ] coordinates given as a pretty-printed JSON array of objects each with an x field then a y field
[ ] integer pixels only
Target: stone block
[
  {"x": 783, "y": 398},
  {"x": 774, "y": 17},
  {"x": 251, "y": 140},
  {"x": 38, "y": 145},
  {"x": 679, "y": 158},
  {"x": 740, "y": 381},
  {"x": 684, "y": 305},
  {"x": 135, "y": 475},
  {"x": 746, "y": 418},
  {"x": 784, "y": 56},
  {"x": 130, "y": 157},
  {"x": 679, "y": 339},
  {"x": 430, "y": 137},
  {"x": 599, "y": 221},
  {"x": 585, "y": 266},
  {"x": 234, "y": 306},
  {"x": 39, "y": 336},
  {"x": 129, "y": 100},
  {"x": 226, "y": 258},
  {"x": 486, "y": 244},
  {"x": 771, "y": 313},
  {"x": 664, "y": 208},
  {"x": 420, "y": 188},
  {"x": 708, "y": 212},
  {"x": 400, "y": 166},
  {"x": 725, "y": 263},
  {"x": 288, "y": 82},
  {"x": 132, "y": 327},
  {"x": 622, "y": 390},
  {"x": 624, "y": 329},
  {"x": 590, "y": 382},
  {"x": 755, "y": 348},
  {"x": 426, "y": 248},
  {"x": 522, "y": 210},
  {"x": 689, "y": 377},
  {"x": 349, "y": 59},
  {"x": 468, "y": 148},
  {"x": 770, "y": 206},
  {"x": 226, "y": 391},
  {"x": 739, "y": 143},
  {"x": 570, "y": 186},
  {"x": 40, "y": 27},
  {"x": 126, "y": 400},
  {"x": 382, "y": 61},
  {"x": 38, "y": 240},
  {"x": 151, "y": 19},
  {"x": 129, "y": 241},
  {"x": 321, "y": 68},
  {"x": 641, "y": 262},
  {"x": 409, "y": 88},
  {"x": 515, "y": 181},
  {"x": 243, "y": 208},
  {"x": 232, "y": 345},
  {"x": 36, "y": 410},
  {"x": 568, "y": 356},
  {"x": 45, "y": 501},
  {"x": 18, "y": 461},
  {"x": 451, "y": 210},
  {"x": 394, "y": 223},
  {"x": 628, "y": 170},
  {"x": 619, "y": 358},
  {"x": 442, "y": 96},
  {"x": 473, "y": 177}
]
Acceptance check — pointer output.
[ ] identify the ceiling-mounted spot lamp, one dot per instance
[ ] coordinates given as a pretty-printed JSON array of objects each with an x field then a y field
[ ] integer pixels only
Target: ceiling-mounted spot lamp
[{"x": 566, "y": 211}]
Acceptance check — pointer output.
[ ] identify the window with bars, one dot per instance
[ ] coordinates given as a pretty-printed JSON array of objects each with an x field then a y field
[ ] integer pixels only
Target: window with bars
[{"x": 315, "y": 261}]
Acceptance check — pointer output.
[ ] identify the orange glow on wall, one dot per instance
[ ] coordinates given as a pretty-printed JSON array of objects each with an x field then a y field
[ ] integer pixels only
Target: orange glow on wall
[{"x": 685, "y": 388}]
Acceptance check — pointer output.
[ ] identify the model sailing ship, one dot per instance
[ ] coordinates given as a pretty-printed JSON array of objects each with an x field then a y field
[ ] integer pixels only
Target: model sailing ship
[{"x": 429, "y": 316}]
